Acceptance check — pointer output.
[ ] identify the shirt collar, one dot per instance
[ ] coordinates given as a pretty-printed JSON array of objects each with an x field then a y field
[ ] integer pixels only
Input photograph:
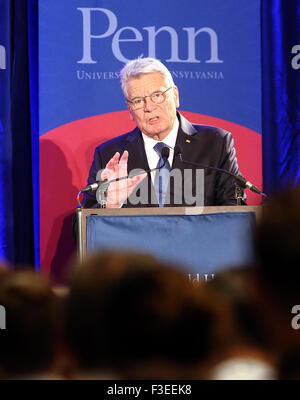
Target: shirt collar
[{"x": 170, "y": 140}]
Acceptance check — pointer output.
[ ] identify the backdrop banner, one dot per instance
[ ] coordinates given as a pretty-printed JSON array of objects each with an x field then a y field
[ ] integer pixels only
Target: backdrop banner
[{"x": 212, "y": 50}]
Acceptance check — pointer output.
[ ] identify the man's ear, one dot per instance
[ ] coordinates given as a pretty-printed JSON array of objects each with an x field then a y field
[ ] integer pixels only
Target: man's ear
[
  {"x": 176, "y": 94},
  {"x": 130, "y": 113}
]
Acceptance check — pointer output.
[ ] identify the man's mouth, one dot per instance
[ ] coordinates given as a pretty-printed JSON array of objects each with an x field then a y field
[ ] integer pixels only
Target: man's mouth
[{"x": 153, "y": 119}]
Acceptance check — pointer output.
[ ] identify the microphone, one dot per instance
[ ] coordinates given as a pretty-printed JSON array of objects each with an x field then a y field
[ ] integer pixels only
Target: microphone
[
  {"x": 239, "y": 178},
  {"x": 94, "y": 186}
]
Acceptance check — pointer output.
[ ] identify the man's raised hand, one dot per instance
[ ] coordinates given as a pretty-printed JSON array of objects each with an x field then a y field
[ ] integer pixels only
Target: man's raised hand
[{"x": 119, "y": 191}]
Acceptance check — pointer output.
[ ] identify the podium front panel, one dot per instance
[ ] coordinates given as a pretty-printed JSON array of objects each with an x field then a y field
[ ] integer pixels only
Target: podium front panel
[{"x": 203, "y": 244}]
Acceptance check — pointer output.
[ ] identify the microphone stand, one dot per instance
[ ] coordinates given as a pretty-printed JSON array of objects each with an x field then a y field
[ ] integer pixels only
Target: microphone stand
[
  {"x": 240, "y": 182},
  {"x": 103, "y": 187},
  {"x": 238, "y": 194}
]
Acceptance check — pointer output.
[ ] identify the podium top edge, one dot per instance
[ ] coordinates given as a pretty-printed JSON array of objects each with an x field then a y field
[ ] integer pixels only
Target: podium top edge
[{"x": 170, "y": 210}]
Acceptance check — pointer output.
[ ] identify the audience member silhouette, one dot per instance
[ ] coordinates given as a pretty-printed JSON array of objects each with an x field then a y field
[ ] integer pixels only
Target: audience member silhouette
[
  {"x": 264, "y": 294},
  {"x": 130, "y": 316},
  {"x": 27, "y": 347}
]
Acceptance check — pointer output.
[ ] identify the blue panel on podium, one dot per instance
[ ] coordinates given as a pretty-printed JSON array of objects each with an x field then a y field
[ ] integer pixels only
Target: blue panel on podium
[{"x": 203, "y": 243}]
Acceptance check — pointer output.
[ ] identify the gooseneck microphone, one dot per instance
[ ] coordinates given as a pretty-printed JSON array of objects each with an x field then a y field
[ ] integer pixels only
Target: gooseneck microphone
[
  {"x": 239, "y": 178},
  {"x": 94, "y": 186}
]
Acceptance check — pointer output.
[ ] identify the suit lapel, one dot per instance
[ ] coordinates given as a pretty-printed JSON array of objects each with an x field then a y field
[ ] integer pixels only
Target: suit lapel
[
  {"x": 184, "y": 140},
  {"x": 138, "y": 160},
  {"x": 137, "y": 155}
]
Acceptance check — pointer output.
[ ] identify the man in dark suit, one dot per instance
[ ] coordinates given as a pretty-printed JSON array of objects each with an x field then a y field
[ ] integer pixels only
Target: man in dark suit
[{"x": 152, "y": 100}]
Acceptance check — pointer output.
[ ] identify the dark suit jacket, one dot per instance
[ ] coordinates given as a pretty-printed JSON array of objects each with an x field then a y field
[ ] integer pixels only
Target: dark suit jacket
[{"x": 200, "y": 143}]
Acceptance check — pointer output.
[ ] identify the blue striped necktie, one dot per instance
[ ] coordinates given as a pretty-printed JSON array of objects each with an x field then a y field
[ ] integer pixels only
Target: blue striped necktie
[{"x": 162, "y": 176}]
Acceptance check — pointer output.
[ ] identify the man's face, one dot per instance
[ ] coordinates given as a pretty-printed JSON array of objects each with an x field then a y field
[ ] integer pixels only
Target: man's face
[{"x": 154, "y": 120}]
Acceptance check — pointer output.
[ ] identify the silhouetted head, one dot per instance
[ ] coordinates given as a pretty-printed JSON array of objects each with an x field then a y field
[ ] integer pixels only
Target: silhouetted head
[
  {"x": 277, "y": 245},
  {"x": 27, "y": 343},
  {"x": 129, "y": 309}
]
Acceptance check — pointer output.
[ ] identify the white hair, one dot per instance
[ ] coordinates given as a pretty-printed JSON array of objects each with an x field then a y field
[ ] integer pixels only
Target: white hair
[{"x": 135, "y": 68}]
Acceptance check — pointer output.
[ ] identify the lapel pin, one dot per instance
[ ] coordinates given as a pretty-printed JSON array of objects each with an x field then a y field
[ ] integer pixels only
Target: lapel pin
[{"x": 188, "y": 141}]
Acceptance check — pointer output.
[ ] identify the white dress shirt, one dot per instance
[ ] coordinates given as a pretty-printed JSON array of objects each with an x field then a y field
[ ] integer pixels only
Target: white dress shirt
[{"x": 152, "y": 155}]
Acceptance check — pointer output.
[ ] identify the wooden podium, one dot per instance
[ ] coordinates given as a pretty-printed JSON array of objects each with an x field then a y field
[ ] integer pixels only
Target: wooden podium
[{"x": 199, "y": 235}]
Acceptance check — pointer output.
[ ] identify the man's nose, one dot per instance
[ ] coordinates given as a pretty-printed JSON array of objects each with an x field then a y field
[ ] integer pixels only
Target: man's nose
[{"x": 148, "y": 104}]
